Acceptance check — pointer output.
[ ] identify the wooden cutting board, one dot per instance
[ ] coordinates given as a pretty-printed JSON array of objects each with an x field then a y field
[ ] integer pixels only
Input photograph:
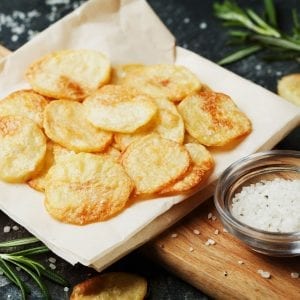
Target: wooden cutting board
[{"x": 226, "y": 270}]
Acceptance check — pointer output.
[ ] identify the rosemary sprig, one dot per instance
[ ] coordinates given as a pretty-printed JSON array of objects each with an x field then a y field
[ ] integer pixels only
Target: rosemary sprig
[
  {"x": 22, "y": 259},
  {"x": 257, "y": 33}
]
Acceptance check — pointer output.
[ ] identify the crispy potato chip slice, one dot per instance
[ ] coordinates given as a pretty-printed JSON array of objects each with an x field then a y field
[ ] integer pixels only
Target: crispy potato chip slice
[
  {"x": 162, "y": 81},
  {"x": 65, "y": 124},
  {"x": 202, "y": 165},
  {"x": 167, "y": 123},
  {"x": 24, "y": 103},
  {"x": 213, "y": 118},
  {"x": 119, "y": 109},
  {"x": 289, "y": 88},
  {"x": 154, "y": 162},
  {"x": 69, "y": 74},
  {"x": 111, "y": 286},
  {"x": 86, "y": 188},
  {"x": 22, "y": 148}
]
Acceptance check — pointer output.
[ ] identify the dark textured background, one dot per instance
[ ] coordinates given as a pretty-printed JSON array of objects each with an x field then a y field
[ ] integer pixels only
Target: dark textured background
[{"x": 195, "y": 28}]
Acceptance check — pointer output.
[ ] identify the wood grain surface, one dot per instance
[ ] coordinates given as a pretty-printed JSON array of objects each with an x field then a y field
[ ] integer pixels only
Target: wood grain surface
[{"x": 226, "y": 270}]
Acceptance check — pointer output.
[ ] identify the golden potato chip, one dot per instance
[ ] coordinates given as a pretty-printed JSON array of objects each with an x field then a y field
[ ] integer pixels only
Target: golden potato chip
[
  {"x": 202, "y": 165},
  {"x": 213, "y": 118},
  {"x": 111, "y": 286},
  {"x": 289, "y": 88},
  {"x": 22, "y": 148},
  {"x": 69, "y": 74},
  {"x": 119, "y": 72},
  {"x": 65, "y": 124},
  {"x": 24, "y": 103},
  {"x": 162, "y": 81},
  {"x": 86, "y": 188},
  {"x": 167, "y": 123},
  {"x": 118, "y": 108},
  {"x": 154, "y": 162},
  {"x": 39, "y": 181}
]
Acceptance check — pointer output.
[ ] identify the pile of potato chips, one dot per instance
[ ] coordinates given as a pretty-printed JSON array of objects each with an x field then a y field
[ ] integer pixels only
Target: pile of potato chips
[{"x": 93, "y": 137}]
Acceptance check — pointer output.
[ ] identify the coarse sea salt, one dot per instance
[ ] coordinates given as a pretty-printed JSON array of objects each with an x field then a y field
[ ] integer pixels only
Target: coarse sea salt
[{"x": 272, "y": 205}]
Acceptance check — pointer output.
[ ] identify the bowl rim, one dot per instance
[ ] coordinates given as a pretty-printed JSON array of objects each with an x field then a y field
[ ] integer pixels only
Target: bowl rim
[{"x": 230, "y": 220}]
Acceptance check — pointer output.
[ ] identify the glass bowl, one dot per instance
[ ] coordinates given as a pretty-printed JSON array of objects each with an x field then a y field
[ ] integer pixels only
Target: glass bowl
[{"x": 252, "y": 169}]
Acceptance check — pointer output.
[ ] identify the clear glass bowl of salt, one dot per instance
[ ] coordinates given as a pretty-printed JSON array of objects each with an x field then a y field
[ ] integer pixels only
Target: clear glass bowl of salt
[{"x": 258, "y": 200}]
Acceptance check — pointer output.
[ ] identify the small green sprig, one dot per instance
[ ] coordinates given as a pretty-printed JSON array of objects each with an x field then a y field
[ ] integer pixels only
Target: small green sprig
[
  {"x": 255, "y": 33},
  {"x": 22, "y": 259}
]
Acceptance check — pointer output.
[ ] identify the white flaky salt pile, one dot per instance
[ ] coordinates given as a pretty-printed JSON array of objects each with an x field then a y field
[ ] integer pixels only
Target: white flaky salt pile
[{"x": 269, "y": 205}]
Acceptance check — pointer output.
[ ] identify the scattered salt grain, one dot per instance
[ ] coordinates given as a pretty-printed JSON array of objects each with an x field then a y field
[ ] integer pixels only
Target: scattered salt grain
[
  {"x": 209, "y": 216},
  {"x": 264, "y": 274},
  {"x": 272, "y": 205},
  {"x": 66, "y": 289},
  {"x": 186, "y": 20},
  {"x": 55, "y": 2},
  {"x": 18, "y": 269},
  {"x": 225, "y": 273},
  {"x": 225, "y": 230},
  {"x": 216, "y": 232},
  {"x": 185, "y": 45},
  {"x": 258, "y": 67},
  {"x": 240, "y": 262},
  {"x": 278, "y": 73},
  {"x": 196, "y": 231},
  {"x": 6, "y": 229},
  {"x": 202, "y": 25},
  {"x": 214, "y": 218},
  {"x": 191, "y": 249},
  {"x": 162, "y": 246},
  {"x": 52, "y": 266},
  {"x": 174, "y": 235},
  {"x": 295, "y": 275},
  {"x": 210, "y": 242},
  {"x": 15, "y": 228},
  {"x": 52, "y": 260}
]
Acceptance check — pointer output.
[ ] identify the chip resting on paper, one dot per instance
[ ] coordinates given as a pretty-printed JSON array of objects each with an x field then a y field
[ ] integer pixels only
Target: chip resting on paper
[
  {"x": 69, "y": 74},
  {"x": 213, "y": 118},
  {"x": 120, "y": 109},
  {"x": 154, "y": 162},
  {"x": 22, "y": 148},
  {"x": 167, "y": 123},
  {"x": 201, "y": 167},
  {"x": 25, "y": 103},
  {"x": 111, "y": 286},
  {"x": 289, "y": 88},
  {"x": 162, "y": 81},
  {"x": 86, "y": 188},
  {"x": 65, "y": 124}
]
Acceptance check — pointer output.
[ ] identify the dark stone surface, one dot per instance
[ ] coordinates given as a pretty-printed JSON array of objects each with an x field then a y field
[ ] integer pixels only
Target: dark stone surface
[{"x": 195, "y": 28}]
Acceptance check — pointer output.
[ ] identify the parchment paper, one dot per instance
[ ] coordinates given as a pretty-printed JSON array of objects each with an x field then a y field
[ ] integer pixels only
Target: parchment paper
[{"x": 128, "y": 31}]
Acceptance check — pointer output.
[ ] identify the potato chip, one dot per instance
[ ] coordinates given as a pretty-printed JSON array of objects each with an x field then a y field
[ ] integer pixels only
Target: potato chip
[
  {"x": 86, "y": 188},
  {"x": 154, "y": 162},
  {"x": 202, "y": 165},
  {"x": 65, "y": 124},
  {"x": 111, "y": 286},
  {"x": 120, "y": 109},
  {"x": 119, "y": 72},
  {"x": 213, "y": 118},
  {"x": 114, "y": 153},
  {"x": 69, "y": 74},
  {"x": 162, "y": 81},
  {"x": 167, "y": 123},
  {"x": 289, "y": 88},
  {"x": 22, "y": 148},
  {"x": 39, "y": 181},
  {"x": 24, "y": 103}
]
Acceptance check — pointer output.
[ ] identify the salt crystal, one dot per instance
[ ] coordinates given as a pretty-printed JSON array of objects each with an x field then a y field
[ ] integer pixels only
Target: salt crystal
[
  {"x": 15, "y": 228},
  {"x": 186, "y": 20},
  {"x": 216, "y": 232},
  {"x": 174, "y": 235},
  {"x": 52, "y": 266},
  {"x": 66, "y": 289},
  {"x": 210, "y": 242},
  {"x": 52, "y": 260},
  {"x": 214, "y": 218},
  {"x": 14, "y": 38},
  {"x": 225, "y": 273},
  {"x": 191, "y": 249},
  {"x": 258, "y": 67},
  {"x": 195, "y": 231},
  {"x": 202, "y": 25},
  {"x": 264, "y": 274},
  {"x": 6, "y": 229},
  {"x": 55, "y": 2},
  {"x": 240, "y": 262},
  {"x": 225, "y": 230},
  {"x": 295, "y": 275},
  {"x": 209, "y": 216},
  {"x": 18, "y": 269}
]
